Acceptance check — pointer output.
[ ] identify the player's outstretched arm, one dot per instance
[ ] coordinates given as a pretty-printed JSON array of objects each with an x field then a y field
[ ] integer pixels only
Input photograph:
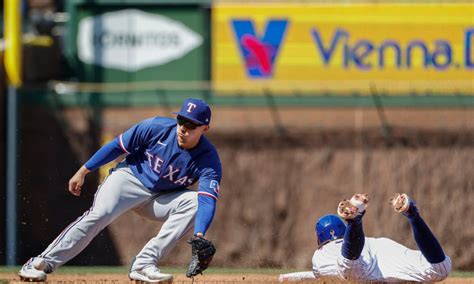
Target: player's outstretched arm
[
  {"x": 105, "y": 154},
  {"x": 77, "y": 180}
]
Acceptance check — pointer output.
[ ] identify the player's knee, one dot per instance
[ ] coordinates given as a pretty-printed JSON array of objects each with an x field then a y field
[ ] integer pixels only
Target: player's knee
[{"x": 104, "y": 216}]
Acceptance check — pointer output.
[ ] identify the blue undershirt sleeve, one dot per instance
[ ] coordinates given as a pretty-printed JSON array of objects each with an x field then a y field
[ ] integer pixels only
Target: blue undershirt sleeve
[
  {"x": 104, "y": 155},
  {"x": 210, "y": 175},
  {"x": 354, "y": 239},
  {"x": 425, "y": 239},
  {"x": 205, "y": 213}
]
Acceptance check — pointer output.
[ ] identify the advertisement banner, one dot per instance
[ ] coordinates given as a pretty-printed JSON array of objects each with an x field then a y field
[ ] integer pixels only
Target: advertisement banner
[
  {"x": 127, "y": 44},
  {"x": 130, "y": 39},
  {"x": 343, "y": 48}
]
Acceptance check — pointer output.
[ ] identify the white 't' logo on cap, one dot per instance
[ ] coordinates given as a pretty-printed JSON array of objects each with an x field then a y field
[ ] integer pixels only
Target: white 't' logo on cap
[{"x": 191, "y": 106}]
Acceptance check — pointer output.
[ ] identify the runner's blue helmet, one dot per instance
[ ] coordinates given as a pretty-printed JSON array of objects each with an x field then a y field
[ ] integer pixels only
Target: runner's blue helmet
[{"x": 329, "y": 227}]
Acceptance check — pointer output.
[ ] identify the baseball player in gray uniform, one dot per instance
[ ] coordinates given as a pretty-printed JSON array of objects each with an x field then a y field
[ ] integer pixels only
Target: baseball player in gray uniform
[
  {"x": 345, "y": 253},
  {"x": 164, "y": 156}
]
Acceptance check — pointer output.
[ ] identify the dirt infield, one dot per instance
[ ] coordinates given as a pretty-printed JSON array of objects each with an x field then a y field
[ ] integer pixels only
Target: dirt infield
[{"x": 212, "y": 279}]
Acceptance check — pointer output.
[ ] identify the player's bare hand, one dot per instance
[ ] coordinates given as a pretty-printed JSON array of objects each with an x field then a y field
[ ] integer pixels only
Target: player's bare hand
[
  {"x": 77, "y": 180},
  {"x": 75, "y": 185}
]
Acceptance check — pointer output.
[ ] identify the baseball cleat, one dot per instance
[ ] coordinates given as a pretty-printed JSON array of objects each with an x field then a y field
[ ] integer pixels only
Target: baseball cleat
[
  {"x": 349, "y": 209},
  {"x": 401, "y": 203},
  {"x": 150, "y": 274},
  {"x": 30, "y": 270}
]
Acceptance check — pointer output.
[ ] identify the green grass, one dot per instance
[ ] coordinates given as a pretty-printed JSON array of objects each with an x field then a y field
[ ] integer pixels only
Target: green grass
[{"x": 462, "y": 274}]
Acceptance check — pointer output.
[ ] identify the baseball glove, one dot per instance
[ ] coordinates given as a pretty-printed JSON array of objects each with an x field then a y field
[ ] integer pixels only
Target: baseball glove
[{"x": 202, "y": 251}]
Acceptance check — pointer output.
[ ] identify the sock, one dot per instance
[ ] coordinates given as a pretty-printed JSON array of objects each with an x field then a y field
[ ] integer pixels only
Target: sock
[
  {"x": 354, "y": 239},
  {"x": 424, "y": 238}
]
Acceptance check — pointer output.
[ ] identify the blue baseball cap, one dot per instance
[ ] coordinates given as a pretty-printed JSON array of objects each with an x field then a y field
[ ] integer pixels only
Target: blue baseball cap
[{"x": 197, "y": 111}]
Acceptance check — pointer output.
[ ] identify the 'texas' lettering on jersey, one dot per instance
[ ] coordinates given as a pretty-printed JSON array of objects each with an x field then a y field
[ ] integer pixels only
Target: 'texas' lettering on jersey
[{"x": 171, "y": 172}]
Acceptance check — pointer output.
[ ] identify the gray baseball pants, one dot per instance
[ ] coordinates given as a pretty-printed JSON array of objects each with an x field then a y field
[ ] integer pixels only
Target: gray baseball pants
[{"x": 122, "y": 191}]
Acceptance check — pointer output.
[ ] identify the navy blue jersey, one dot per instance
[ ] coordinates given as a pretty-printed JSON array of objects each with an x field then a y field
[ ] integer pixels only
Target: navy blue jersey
[
  {"x": 160, "y": 164},
  {"x": 155, "y": 158}
]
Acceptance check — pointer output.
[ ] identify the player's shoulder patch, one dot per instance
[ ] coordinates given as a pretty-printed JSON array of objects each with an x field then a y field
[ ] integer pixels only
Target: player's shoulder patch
[{"x": 214, "y": 185}]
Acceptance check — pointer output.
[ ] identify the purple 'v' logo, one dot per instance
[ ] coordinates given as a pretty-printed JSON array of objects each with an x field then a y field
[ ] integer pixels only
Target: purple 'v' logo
[{"x": 259, "y": 53}]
